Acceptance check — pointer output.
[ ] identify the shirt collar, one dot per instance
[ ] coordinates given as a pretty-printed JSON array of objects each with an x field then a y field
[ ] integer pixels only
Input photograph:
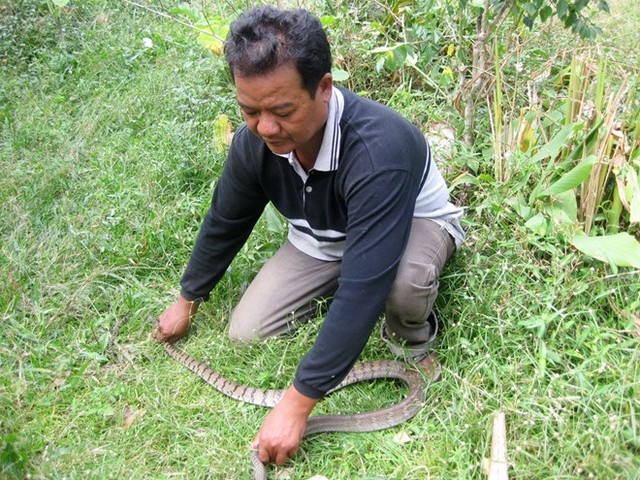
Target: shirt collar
[{"x": 329, "y": 153}]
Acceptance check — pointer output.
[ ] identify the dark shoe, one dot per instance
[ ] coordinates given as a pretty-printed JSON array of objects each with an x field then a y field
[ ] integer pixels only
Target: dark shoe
[{"x": 411, "y": 351}]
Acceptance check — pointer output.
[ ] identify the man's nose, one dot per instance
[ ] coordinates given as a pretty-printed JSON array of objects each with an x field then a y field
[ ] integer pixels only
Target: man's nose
[{"x": 267, "y": 126}]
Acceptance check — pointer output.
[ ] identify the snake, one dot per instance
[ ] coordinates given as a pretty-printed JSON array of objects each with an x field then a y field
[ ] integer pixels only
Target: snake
[{"x": 368, "y": 421}]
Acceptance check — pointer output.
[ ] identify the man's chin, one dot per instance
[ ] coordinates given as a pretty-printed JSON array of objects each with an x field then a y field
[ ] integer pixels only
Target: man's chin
[{"x": 279, "y": 149}]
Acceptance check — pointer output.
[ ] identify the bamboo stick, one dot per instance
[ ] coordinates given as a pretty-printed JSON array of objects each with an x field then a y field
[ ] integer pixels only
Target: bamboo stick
[{"x": 498, "y": 463}]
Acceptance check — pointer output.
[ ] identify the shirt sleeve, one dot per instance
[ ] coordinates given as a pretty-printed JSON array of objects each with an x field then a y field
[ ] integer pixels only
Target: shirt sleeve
[
  {"x": 380, "y": 212},
  {"x": 237, "y": 203}
]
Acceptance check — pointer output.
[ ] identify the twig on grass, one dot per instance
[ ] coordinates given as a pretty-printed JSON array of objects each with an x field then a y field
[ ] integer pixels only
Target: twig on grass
[
  {"x": 171, "y": 17},
  {"x": 498, "y": 463},
  {"x": 114, "y": 334}
]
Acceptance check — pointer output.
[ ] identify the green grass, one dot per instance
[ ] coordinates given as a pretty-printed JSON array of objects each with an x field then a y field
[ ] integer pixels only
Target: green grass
[{"x": 108, "y": 158}]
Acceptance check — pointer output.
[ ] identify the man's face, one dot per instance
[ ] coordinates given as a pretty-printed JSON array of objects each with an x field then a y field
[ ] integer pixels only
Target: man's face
[{"x": 281, "y": 112}]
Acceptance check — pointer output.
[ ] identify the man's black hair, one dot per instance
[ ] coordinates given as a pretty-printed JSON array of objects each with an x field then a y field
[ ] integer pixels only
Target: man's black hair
[{"x": 265, "y": 38}]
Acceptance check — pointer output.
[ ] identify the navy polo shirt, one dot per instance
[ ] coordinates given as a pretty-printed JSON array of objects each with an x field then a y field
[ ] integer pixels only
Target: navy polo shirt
[{"x": 373, "y": 174}]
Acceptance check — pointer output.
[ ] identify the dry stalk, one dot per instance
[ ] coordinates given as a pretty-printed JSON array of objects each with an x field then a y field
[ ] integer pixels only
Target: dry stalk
[
  {"x": 498, "y": 463},
  {"x": 593, "y": 191}
]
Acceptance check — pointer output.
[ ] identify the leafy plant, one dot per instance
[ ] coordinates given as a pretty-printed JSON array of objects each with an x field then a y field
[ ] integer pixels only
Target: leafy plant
[
  {"x": 211, "y": 30},
  {"x": 57, "y": 4},
  {"x": 490, "y": 16},
  {"x": 590, "y": 181},
  {"x": 56, "y": 8},
  {"x": 419, "y": 47}
]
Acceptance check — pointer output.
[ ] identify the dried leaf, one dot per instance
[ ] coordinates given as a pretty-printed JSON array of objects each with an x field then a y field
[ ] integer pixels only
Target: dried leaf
[
  {"x": 222, "y": 133},
  {"x": 130, "y": 415},
  {"x": 401, "y": 438}
]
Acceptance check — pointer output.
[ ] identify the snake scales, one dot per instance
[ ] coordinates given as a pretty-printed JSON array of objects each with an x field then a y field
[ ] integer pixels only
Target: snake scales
[{"x": 360, "y": 422}]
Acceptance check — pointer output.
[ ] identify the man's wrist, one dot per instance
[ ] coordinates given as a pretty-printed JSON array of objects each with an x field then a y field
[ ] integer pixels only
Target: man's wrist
[
  {"x": 192, "y": 305},
  {"x": 301, "y": 403}
]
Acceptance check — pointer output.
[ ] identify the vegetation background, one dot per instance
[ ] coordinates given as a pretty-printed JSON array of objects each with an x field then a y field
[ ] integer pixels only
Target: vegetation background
[{"x": 113, "y": 123}]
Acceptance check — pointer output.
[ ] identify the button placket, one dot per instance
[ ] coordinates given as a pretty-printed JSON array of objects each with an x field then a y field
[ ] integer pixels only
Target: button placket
[{"x": 307, "y": 188}]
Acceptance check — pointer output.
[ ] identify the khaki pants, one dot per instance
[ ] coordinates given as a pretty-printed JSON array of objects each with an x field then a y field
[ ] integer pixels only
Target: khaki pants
[{"x": 283, "y": 293}]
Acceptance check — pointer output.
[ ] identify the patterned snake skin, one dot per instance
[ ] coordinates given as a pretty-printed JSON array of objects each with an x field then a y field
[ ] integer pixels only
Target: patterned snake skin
[{"x": 360, "y": 422}]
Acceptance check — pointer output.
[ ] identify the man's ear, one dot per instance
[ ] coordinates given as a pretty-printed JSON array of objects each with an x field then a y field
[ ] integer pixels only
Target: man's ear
[{"x": 325, "y": 87}]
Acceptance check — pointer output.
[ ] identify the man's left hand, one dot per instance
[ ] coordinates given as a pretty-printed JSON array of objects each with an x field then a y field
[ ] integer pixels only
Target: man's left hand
[{"x": 284, "y": 427}]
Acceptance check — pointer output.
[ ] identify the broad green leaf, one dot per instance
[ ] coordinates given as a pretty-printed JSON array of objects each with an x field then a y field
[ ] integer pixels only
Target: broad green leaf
[
  {"x": 545, "y": 13},
  {"x": 552, "y": 148},
  {"x": 538, "y": 224},
  {"x": 621, "y": 249},
  {"x": 377, "y": 26},
  {"x": 327, "y": 20},
  {"x": 384, "y": 49},
  {"x": 339, "y": 75},
  {"x": 614, "y": 212},
  {"x": 485, "y": 177},
  {"x": 400, "y": 55},
  {"x": 580, "y": 4},
  {"x": 528, "y": 21},
  {"x": 463, "y": 179},
  {"x": 562, "y": 8},
  {"x": 212, "y": 34},
  {"x": 630, "y": 192},
  {"x": 390, "y": 60},
  {"x": 273, "y": 219},
  {"x": 573, "y": 177},
  {"x": 587, "y": 143},
  {"x": 563, "y": 208},
  {"x": 520, "y": 207},
  {"x": 531, "y": 9}
]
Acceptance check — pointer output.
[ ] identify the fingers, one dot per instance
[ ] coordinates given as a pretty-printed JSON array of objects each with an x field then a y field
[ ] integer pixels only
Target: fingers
[
  {"x": 160, "y": 334},
  {"x": 157, "y": 334},
  {"x": 283, "y": 428},
  {"x": 263, "y": 453},
  {"x": 174, "y": 322},
  {"x": 282, "y": 456},
  {"x": 278, "y": 455}
]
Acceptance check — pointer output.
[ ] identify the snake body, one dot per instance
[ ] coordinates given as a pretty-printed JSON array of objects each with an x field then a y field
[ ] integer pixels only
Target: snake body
[{"x": 359, "y": 422}]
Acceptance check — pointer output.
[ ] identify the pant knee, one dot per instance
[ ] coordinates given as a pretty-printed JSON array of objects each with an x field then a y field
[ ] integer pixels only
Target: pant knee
[
  {"x": 243, "y": 333},
  {"x": 413, "y": 294}
]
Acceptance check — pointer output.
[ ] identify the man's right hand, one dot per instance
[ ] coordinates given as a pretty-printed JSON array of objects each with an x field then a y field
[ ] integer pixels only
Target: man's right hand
[{"x": 174, "y": 322}]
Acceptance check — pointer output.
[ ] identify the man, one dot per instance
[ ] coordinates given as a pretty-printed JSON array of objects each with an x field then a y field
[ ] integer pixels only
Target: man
[{"x": 369, "y": 218}]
